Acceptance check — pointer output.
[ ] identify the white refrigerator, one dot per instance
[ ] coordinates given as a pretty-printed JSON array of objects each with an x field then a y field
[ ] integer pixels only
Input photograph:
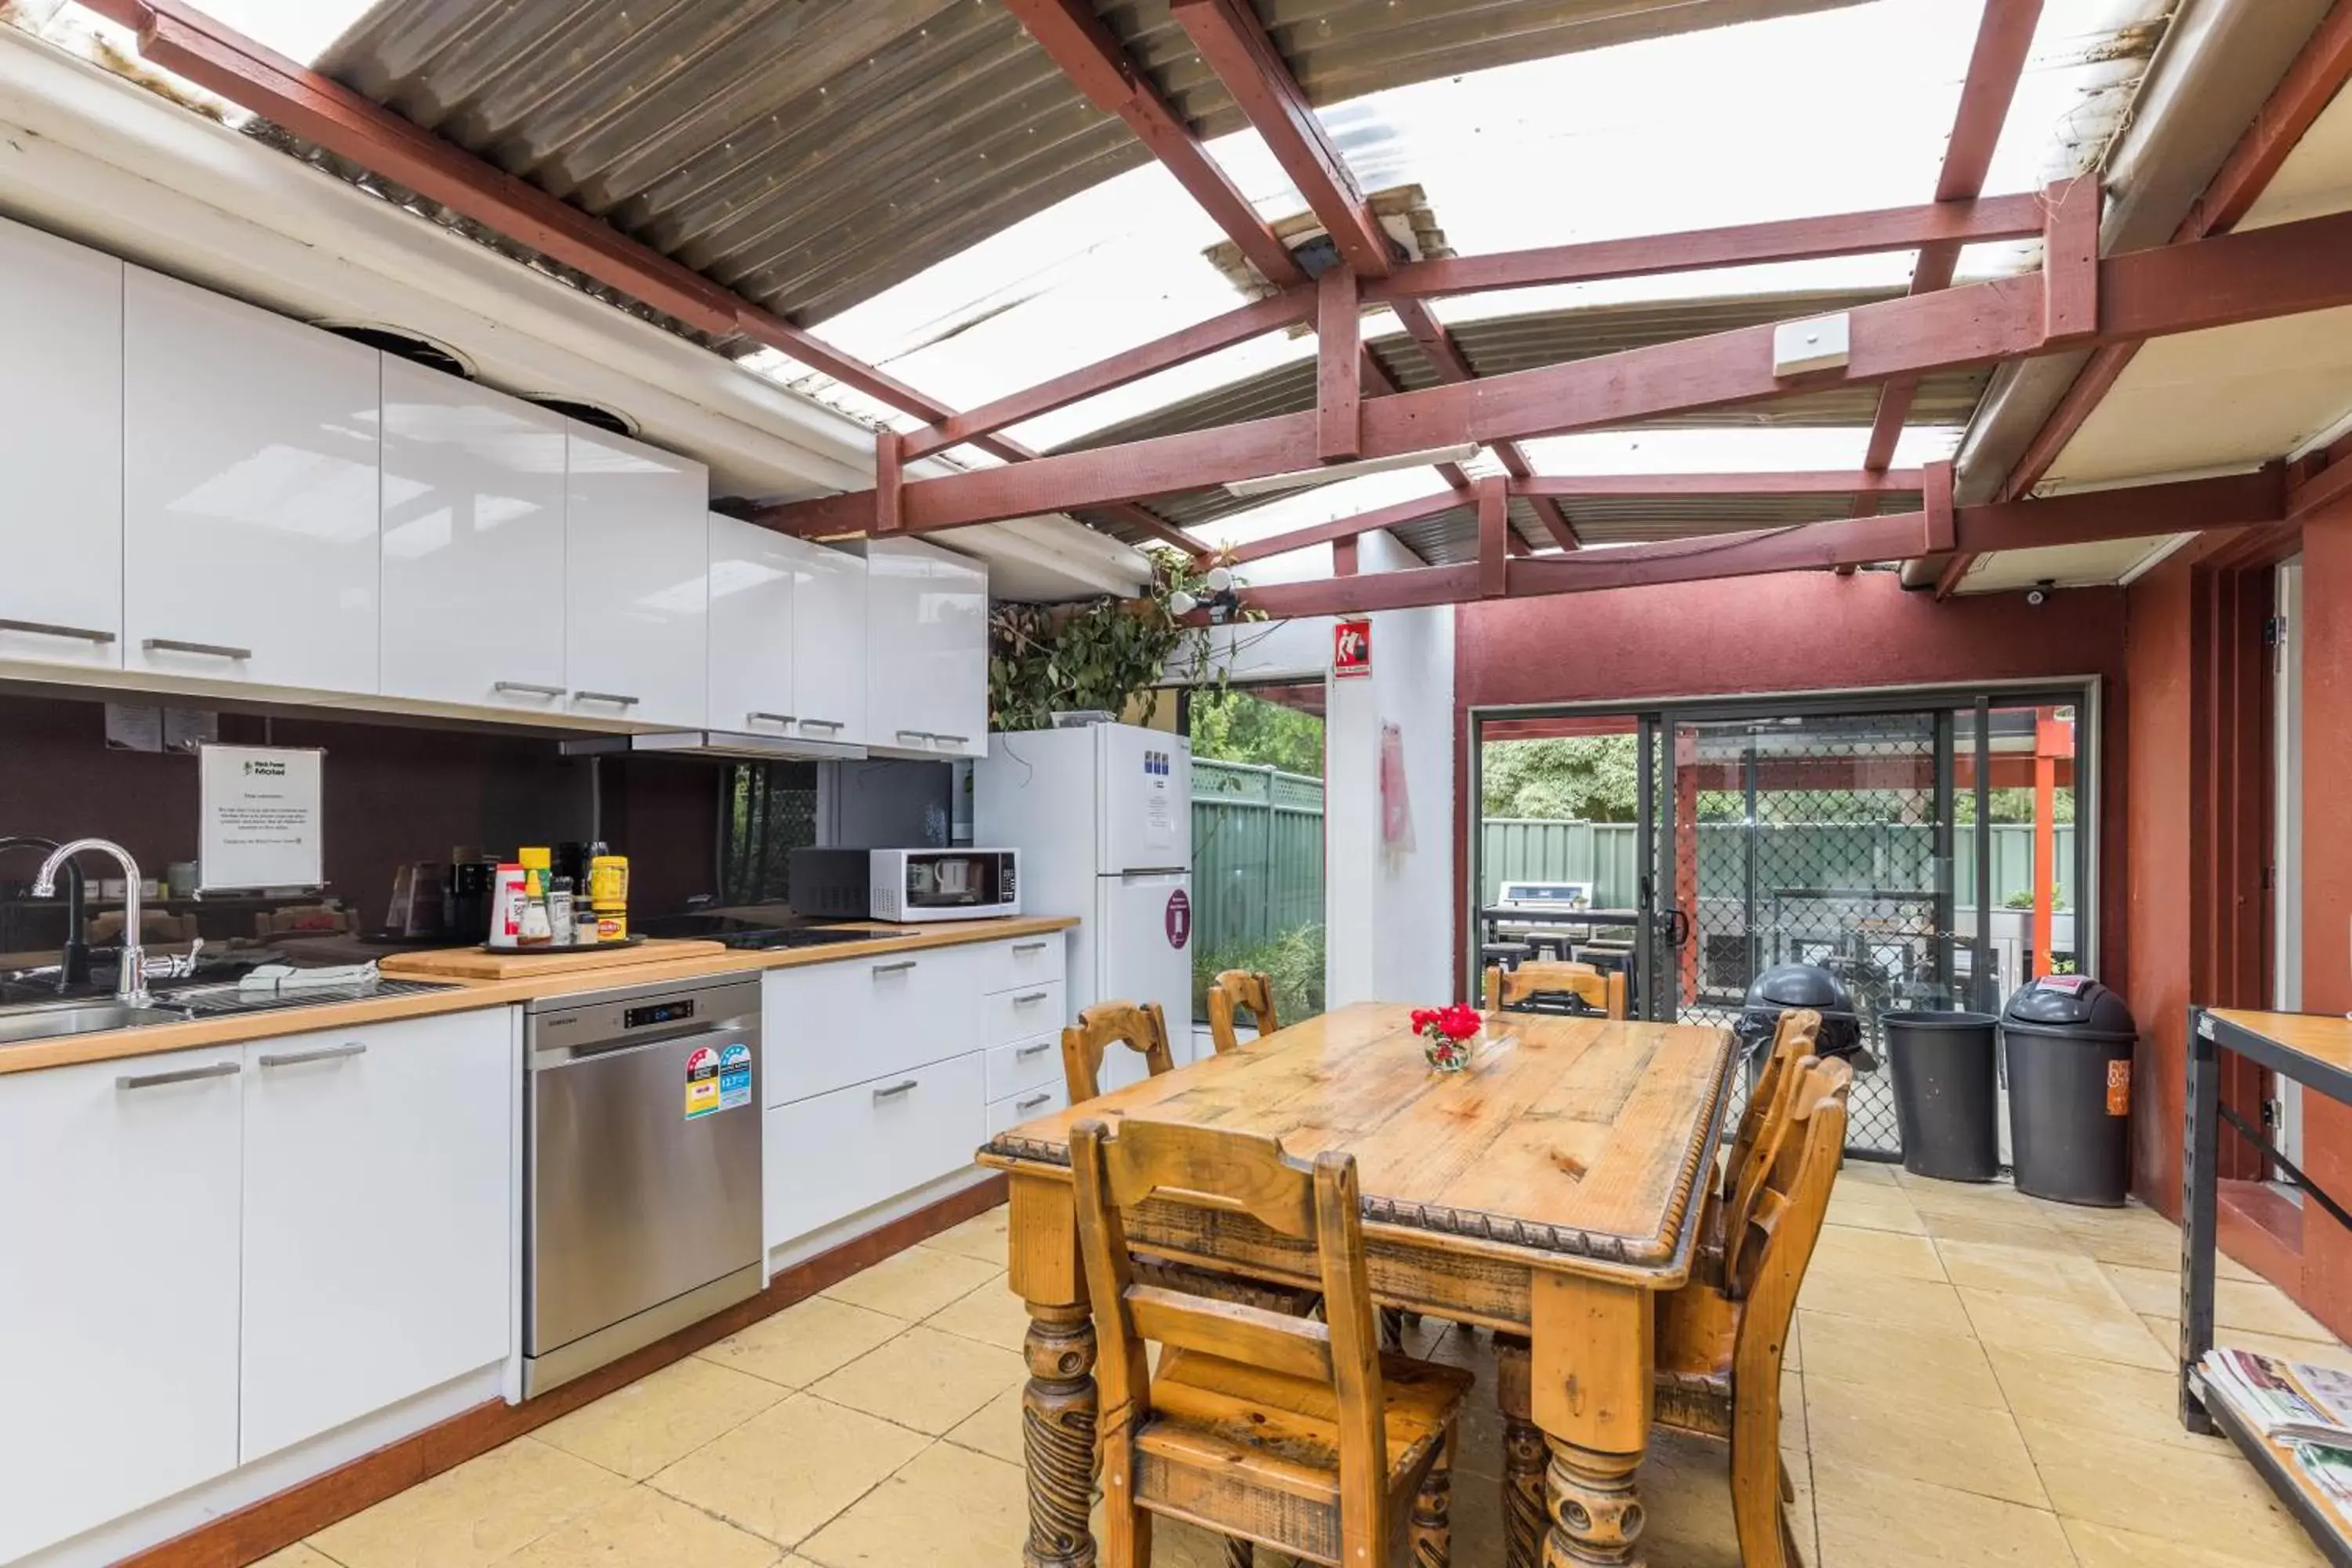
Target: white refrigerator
[{"x": 1103, "y": 818}]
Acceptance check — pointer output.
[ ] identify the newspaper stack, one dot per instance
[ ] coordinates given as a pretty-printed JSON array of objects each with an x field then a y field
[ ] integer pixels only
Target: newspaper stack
[{"x": 2304, "y": 1409}]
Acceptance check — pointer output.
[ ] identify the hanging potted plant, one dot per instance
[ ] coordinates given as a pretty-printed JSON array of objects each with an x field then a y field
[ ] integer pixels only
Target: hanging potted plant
[{"x": 1045, "y": 659}]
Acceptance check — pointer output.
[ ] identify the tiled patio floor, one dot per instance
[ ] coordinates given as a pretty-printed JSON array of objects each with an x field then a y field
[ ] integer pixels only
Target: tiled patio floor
[{"x": 1978, "y": 1378}]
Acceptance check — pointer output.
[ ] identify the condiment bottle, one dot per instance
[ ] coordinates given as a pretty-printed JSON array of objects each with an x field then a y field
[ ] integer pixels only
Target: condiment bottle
[
  {"x": 560, "y": 918},
  {"x": 509, "y": 894}
]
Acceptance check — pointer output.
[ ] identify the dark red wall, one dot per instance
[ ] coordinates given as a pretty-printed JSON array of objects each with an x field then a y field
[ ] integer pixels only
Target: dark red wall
[
  {"x": 1801, "y": 631},
  {"x": 2326, "y": 1284}
]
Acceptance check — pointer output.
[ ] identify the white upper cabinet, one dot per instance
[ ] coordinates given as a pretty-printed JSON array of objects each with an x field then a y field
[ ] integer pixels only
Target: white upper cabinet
[
  {"x": 751, "y": 579},
  {"x": 473, "y": 543},
  {"x": 927, "y": 650},
  {"x": 829, "y": 648},
  {"x": 636, "y": 590},
  {"x": 119, "y": 1286},
  {"x": 61, "y": 449},
  {"x": 249, "y": 494}
]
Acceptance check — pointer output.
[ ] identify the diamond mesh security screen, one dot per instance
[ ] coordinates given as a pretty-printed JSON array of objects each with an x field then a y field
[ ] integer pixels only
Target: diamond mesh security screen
[{"x": 1816, "y": 840}]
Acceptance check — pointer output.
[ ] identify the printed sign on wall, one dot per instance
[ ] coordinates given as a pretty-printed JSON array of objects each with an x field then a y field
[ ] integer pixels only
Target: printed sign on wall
[
  {"x": 1351, "y": 647},
  {"x": 260, "y": 816}
]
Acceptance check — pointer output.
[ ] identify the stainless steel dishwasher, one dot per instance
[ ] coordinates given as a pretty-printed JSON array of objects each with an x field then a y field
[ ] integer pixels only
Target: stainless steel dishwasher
[{"x": 641, "y": 1192}]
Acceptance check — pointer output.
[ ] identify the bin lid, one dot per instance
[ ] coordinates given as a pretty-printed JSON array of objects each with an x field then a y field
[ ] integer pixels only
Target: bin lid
[
  {"x": 1799, "y": 985},
  {"x": 2069, "y": 1004}
]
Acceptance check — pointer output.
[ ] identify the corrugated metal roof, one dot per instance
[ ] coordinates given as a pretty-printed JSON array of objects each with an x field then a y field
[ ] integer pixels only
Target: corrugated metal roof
[{"x": 813, "y": 153}]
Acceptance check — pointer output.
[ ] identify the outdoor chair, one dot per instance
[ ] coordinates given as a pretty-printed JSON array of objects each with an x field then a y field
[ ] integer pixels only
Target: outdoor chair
[
  {"x": 1301, "y": 1436},
  {"x": 1547, "y": 988},
  {"x": 1240, "y": 989}
]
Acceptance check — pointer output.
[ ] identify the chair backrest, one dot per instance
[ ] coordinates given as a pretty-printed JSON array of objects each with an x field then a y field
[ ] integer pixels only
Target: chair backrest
[
  {"x": 1765, "y": 1128},
  {"x": 1241, "y": 1173},
  {"x": 1235, "y": 989},
  {"x": 1527, "y": 986},
  {"x": 1142, "y": 1029},
  {"x": 1787, "y": 1220},
  {"x": 1799, "y": 1030}
]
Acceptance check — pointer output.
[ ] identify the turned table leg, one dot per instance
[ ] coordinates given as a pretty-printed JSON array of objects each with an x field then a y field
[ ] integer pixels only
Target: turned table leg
[
  {"x": 1059, "y": 1403},
  {"x": 1433, "y": 1509},
  {"x": 1525, "y": 1457},
  {"x": 1592, "y": 1357}
]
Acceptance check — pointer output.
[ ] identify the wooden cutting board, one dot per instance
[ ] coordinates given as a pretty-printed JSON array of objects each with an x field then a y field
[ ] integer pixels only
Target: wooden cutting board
[{"x": 473, "y": 964}]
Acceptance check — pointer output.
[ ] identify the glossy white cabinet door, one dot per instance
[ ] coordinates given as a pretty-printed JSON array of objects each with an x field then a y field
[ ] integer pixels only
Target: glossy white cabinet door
[
  {"x": 473, "y": 543},
  {"x": 926, "y": 640},
  {"x": 829, "y": 645},
  {"x": 61, "y": 451},
  {"x": 379, "y": 1204},
  {"x": 636, "y": 590},
  {"x": 751, "y": 575},
  {"x": 249, "y": 493},
  {"x": 118, "y": 1288}
]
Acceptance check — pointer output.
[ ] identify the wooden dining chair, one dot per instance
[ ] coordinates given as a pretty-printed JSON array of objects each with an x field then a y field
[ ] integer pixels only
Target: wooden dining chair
[
  {"x": 1720, "y": 1346},
  {"x": 1762, "y": 1125},
  {"x": 1237, "y": 989},
  {"x": 1144, "y": 1030},
  {"x": 1296, "y": 1434},
  {"x": 1530, "y": 986}
]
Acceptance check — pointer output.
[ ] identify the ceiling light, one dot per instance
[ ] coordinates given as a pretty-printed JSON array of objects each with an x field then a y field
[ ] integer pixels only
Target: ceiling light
[{"x": 1300, "y": 478}]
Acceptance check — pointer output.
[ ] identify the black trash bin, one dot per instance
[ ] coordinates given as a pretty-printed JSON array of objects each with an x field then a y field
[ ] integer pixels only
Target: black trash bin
[
  {"x": 1947, "y": 1093},
  {"x": 2068, "y": 1041},
  {"x": 1786, "y": 985}
]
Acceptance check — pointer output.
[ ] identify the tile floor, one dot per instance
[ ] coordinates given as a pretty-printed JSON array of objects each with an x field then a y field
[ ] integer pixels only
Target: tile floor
[{"x": 1977, "y": 1378}]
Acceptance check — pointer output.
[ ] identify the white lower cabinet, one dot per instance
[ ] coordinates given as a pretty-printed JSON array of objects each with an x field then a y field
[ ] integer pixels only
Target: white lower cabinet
[
  {"x": 119, "y": 1286},
  {"x": 843, "y": 1022},
  {"x": 834, "y": 1154},
  {"x": 378, "y": 1218},
  {"x": 1026, "y": 1106}
]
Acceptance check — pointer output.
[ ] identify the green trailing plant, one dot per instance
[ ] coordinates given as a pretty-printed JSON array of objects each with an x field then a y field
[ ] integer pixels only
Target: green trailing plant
[{"x": 1049, "y": 658}]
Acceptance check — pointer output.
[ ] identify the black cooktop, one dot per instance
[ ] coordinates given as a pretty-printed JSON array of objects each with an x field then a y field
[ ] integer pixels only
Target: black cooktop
[{"x": 733, "y": 930}]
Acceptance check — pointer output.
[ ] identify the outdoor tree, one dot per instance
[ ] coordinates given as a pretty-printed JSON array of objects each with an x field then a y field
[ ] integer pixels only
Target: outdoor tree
[
  {"x": 1588, "y": 777},
  {"x": 1232, "y": 726}
]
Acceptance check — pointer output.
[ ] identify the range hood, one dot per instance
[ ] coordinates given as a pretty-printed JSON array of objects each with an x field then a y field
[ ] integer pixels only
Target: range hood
[{"x": 733, "y": 745}]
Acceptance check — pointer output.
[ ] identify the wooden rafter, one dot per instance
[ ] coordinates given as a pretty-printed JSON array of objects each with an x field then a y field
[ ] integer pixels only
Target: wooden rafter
[
  {"x": 2319, "y": 72},
  {"x": 2004, "y": 35},
  {"x": 2286, "y": 269},
  {"x": 1793, "y": 483}
]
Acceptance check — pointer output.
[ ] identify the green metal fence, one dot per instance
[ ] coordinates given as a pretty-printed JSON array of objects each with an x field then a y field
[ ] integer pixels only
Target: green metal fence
[
  {"x": 1257, "y": 854},
  {"x": 1851, "y": 855}
]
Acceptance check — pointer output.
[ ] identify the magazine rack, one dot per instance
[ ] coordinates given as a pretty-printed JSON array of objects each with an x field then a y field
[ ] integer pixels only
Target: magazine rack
[{"x": 2315, "y": 1052}]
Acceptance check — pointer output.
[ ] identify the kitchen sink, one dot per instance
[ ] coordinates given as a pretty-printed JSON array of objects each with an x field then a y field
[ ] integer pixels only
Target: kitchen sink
[{"x": 18, "y": 1025}]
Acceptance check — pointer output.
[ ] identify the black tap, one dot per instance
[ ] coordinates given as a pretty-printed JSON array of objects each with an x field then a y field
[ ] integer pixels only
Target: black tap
[{"x": 73, "y": 966}]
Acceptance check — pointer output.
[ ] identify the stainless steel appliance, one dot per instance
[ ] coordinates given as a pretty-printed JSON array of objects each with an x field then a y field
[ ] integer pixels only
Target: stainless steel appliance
[
  {"x": 641, "y": 1191},
  {"x": 905, "y": 886}
]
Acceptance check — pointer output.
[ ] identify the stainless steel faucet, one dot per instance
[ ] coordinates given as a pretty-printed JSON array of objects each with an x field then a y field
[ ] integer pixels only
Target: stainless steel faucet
[{"x": 131, "y": 980}]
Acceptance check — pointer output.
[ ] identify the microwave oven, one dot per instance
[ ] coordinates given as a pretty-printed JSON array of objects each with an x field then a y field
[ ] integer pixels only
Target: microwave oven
[{"x": 905, "y": 886}]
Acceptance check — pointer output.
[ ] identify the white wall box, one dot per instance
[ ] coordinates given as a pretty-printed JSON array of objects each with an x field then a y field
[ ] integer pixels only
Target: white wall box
[
  {"x": 249, "y": 493},
  {"x": 927, "y": 650},
  {"x": 378, "y": 1217},
  {"x": 473, "y": 542},
  {"x": 829, "y": 660},
  {"x": 834, "y": 1023},
  {"x": 838, "y": 1153},
  {"x": 61, "y": 448},
  {"x": 636, "y": 581},
  {"x": 119, "y": 1220}
]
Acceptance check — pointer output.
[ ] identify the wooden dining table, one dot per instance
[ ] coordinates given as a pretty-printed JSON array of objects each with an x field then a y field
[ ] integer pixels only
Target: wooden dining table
[{"x": 1551, "y": 1192}]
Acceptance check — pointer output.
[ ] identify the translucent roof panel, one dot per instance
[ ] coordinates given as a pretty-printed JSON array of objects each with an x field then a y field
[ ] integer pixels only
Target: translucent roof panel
[{"x": 1800, "y": 116}]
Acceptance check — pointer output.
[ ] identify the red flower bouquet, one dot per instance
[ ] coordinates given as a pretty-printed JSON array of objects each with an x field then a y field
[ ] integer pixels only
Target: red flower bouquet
[{"x": 1447, "y": 1034}]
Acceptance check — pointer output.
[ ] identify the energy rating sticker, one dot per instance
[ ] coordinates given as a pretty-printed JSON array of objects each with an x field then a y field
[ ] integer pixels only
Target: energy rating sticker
[
  {"x": 701, "y": 1083},
  {"x": 734, "y": 1077}
]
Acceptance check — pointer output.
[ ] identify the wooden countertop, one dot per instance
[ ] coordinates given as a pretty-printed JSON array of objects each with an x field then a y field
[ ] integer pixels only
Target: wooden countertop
[{"x": 67, "y": 1050}]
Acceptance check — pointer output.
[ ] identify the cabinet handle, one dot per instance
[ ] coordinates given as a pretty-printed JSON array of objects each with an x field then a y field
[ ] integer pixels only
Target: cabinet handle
[
  {"x": 895, "y": 1091},
  {"x": 1033, "y": 1102},
  {"x": 756, "y": 717},
  {"x": 615, "y": 698},
  {"x": 917, "y": 735},
  {"x": 953, "y": 740},
  {"x": 44, "y": 629},
  {"x": 1028, "y": 947},
  {"x": 526, "y": 689},
  {"x": 1029, "y": 996},
  {"x": 210, "y": 649},
  {"x": 1026, "y": 1051},
  {"x": 181, "y": 1075},
  {"x": 822, "y": 724},
  {"x": 900, "y": 967},
  {"x": 325, "y": 1053}
]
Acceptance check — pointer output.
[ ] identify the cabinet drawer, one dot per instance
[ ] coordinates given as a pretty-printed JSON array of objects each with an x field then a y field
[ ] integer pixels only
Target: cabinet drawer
[
  {"x": 1024, "y": 963},
  {"x": 1015, "y": 1108},
  {"x": 832, "y": 1025},
  {"x": 1024, "y": 1065},
  {"x": 830, "y": 1156},
  {"x": 1022, "y": 1015}
]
